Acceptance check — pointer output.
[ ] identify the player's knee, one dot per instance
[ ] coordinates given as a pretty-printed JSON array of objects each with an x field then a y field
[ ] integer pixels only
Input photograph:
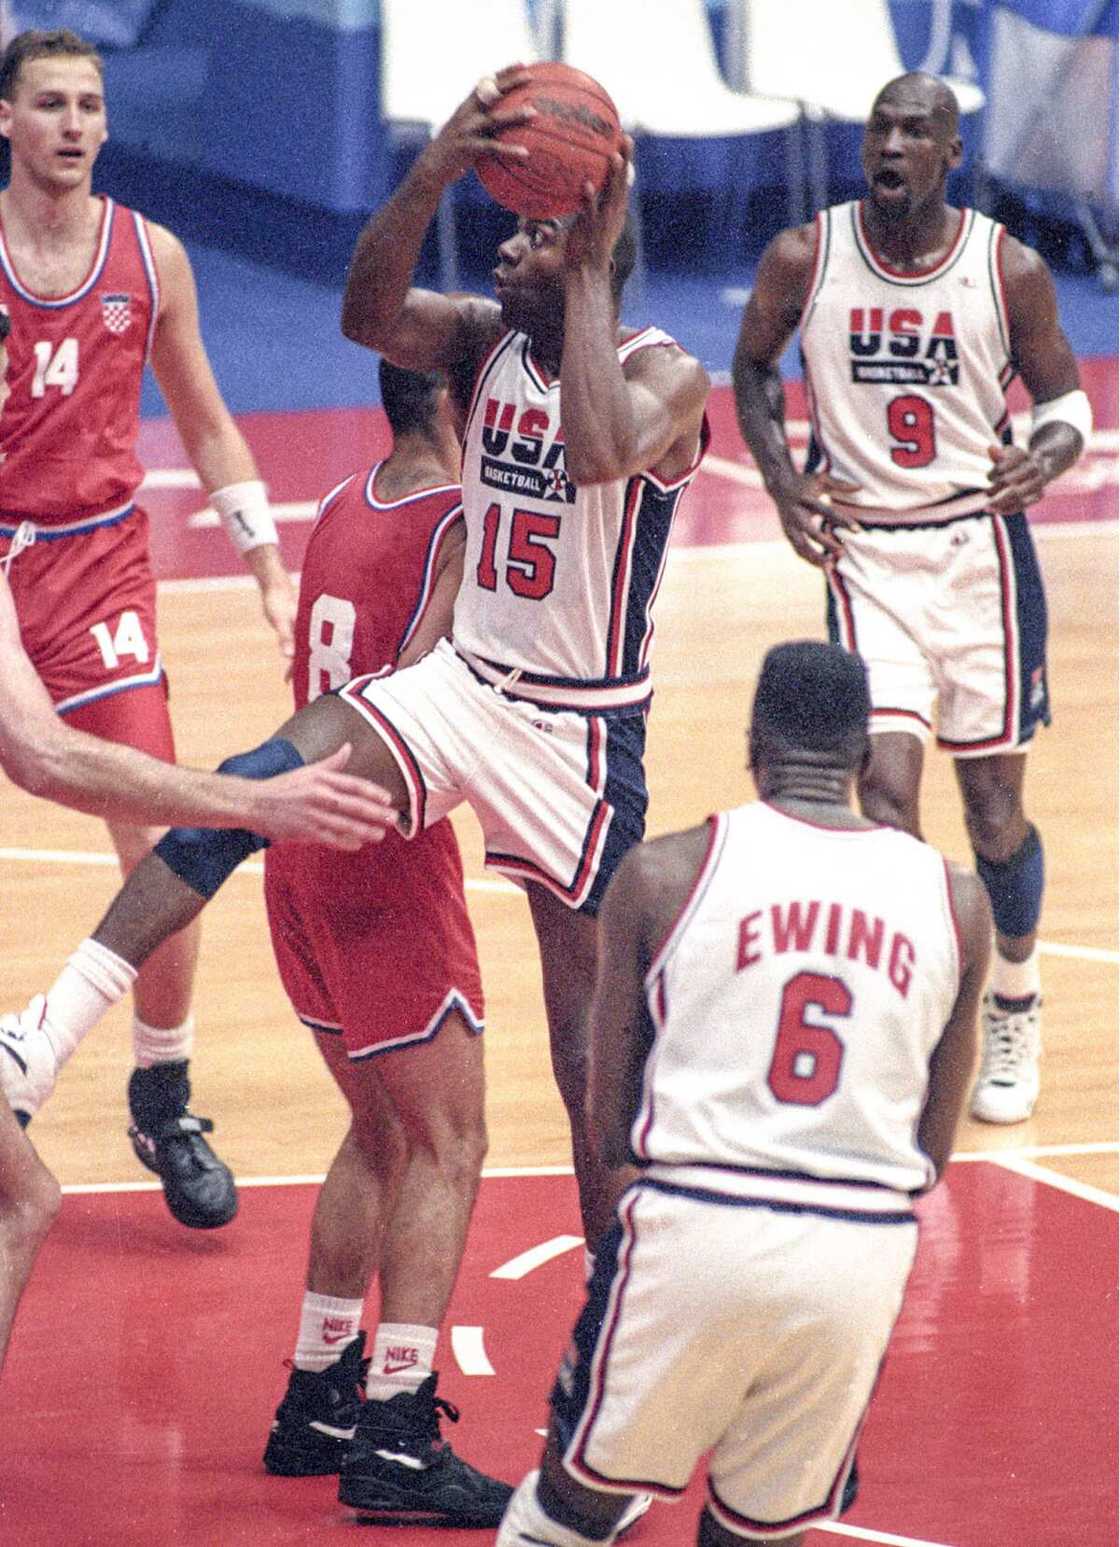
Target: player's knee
[
  {"x": 1015, "y": 886},
  {"x": 203, "y": 857},
  {"x": 27, "y": 1215},
  {"x": 995, "y": 822},
  {"x": 890, "y": 805}
]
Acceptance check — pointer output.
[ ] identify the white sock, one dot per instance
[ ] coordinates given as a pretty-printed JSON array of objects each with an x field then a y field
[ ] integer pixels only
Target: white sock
[
  {"x": 525, "y": 1521},
  {"x": 92, "y": 981},
  {"x": 327, "y": 1325},
  {"x": 402, "y": 1359},
  {"x": 1016, "y": 980},
  {"x": 161, "y": 1045}
]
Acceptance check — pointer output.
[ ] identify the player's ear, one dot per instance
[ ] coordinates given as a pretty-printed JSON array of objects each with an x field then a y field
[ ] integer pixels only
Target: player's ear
[
  {"x": 5, "y": 118},
  {"x": 954, "y": 153}
]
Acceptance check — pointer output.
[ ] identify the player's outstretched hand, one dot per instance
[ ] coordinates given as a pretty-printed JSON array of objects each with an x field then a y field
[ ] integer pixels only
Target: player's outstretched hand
[
  {"x": 810, "y": 521},
  {"x": 471, "y": 129},
  {"x": 1017, "y": 479},
  {"x": 321, "y": 804}
]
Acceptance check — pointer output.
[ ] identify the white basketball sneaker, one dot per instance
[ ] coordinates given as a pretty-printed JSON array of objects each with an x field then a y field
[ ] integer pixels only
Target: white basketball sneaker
[
  {"x": 27, "y": 1062},
  {"x": 1008, "y": 1083}
]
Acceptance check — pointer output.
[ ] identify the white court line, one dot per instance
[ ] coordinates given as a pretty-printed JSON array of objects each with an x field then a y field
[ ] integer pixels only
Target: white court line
[
  {"x": 496, "y": 1172},
  {"x": 487, "y": 884},
  {"x": 1068, "y": 1184},
  {"x": 865, "y": 1534},
  {"x": 469, "y": 1347},
  {"x": 536, "y": 1257}
]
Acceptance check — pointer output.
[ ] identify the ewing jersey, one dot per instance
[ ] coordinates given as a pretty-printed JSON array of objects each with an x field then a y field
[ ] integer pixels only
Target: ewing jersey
[
  {"x": 905, "y": 374},
  {"x": 797, "y": 1002},
  {"x": 362, "y": 547},
  {"x": 558, "y": 581},
  {"x": 68, "y": 435}
]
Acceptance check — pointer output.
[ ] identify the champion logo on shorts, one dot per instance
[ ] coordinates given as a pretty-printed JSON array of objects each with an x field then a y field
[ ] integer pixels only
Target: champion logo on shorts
[
  {"x": 398, "y": 1359},
  {"x": 116, "y": 312}
]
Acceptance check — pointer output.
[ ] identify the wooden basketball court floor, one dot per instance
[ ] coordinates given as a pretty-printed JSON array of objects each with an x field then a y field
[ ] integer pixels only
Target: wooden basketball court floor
[{"x": 147, "y": 1359}]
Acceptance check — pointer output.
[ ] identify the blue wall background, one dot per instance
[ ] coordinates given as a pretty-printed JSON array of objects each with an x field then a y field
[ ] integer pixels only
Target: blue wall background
[{"x": 213, "y": 99}]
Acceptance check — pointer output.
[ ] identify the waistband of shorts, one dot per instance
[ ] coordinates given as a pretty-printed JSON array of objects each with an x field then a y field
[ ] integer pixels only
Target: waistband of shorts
[
  {"x": 973, "y": 502},
  {"x": 780, "y": 1189},
  {"x": 50, "y": 532},
  {"x": 594, "y": 697}
]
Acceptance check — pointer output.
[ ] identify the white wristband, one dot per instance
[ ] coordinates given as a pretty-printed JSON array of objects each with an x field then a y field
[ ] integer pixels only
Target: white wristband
[
  {"x": 1071, "y": 408},
  {"x": 245, "y": 515}
]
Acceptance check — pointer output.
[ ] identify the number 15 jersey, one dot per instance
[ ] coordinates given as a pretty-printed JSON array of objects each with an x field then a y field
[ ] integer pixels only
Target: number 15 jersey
[
  {"x": 797, "y": 1002},
  {"x": 905, "y": 373},
  {"x": 559, "y": 581}
]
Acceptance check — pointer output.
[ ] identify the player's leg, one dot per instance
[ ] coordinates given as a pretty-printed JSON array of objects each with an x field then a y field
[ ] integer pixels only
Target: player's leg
[
  {"x": 712, "y": 1534},
  {"x": 890, "y": 785},
  {"x": 551, "y": 1507},
  {"x": 167, "y": 1137},
  {"x": 436, "y": 1093},
  {"x": 29, "y": 1202},
  {"x": 168, "y": 889},
  {"x": 1009, "y": 861},
  {"x": 568, "y": 945}
]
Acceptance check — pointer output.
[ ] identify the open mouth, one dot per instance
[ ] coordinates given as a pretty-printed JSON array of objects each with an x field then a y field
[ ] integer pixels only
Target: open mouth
[{"x": 889, "y": 179}]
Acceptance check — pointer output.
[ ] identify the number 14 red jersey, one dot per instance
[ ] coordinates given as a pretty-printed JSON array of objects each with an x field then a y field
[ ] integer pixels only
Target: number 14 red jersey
[{"x": 68, "y": 431}]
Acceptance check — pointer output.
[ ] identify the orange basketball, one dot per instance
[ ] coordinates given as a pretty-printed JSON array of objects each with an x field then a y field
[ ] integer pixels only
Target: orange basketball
[{"x": 570, "y": 142}]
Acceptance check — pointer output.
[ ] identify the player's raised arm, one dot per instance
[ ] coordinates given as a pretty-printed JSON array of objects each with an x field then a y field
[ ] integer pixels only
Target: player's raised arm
[
  {"x": 953, "y": 1059},
  {"x": 216, "y": 447},
  {"x": 419, "y": 329},
  {"x": 770, "y": 319},
  {"x": 619, "y": 419}
]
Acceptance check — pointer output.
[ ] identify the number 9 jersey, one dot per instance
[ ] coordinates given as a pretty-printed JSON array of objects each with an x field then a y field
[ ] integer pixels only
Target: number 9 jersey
[
  {"x": 75, "y": 362},
  {"x": 906, "y": 373}
]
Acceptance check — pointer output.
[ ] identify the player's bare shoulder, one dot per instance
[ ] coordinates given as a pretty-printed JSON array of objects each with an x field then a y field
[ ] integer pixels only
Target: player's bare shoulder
[{"x": 654, "y": 882}]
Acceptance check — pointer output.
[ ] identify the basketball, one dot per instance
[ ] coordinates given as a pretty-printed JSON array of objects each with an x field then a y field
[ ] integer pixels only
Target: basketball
[{"x": 570, "y": 142}]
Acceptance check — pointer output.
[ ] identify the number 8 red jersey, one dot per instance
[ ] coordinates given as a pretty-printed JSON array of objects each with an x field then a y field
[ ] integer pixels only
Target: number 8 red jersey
[
  {"x": 905, "y": 373},
  {"x": 68, "y": 431}
]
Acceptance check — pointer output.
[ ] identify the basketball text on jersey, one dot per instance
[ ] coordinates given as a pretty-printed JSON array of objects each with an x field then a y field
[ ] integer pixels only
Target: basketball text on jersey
[
  {"x": 526, "y": 457},
  {"x": 901, "y": 345}
]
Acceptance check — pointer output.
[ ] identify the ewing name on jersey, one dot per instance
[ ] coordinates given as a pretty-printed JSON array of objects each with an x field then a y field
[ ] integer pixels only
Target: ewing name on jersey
[
  {"x": 795, "y": 1007},
  {"x": 906, "y": 373},
  {"x": 558, "y": 581}
]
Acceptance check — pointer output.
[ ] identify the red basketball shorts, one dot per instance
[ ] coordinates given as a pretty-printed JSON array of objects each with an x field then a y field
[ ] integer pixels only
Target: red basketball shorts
[
  {"x": 86, "y": 602},
  {"x": 376, "y": 947}
]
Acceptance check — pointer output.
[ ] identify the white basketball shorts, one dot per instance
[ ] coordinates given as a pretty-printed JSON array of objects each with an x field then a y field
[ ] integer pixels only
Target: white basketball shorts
[
  {"x": 754, "y": 1333},
  {"x": 560, "y": 794},
  {"x": 951, "y": 621}
]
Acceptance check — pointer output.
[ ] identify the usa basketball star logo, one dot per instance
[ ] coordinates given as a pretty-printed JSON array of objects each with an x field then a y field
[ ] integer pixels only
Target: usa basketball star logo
[{"x": 116, "y": 312}]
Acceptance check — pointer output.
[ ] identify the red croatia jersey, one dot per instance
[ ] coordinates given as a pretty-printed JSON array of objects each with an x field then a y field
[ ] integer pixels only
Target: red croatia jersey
[
  {"x": 69, "y": 428},
  {"x": 362, "y": 548}
]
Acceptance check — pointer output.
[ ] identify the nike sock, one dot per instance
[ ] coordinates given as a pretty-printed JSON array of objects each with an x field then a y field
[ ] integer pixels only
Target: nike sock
[
  {"x": 326, "y": 1326},
  {"x": 92, "y": 981},
  {"x": 402, "y": 1359},
  {"x": 161, "y": 1045}
]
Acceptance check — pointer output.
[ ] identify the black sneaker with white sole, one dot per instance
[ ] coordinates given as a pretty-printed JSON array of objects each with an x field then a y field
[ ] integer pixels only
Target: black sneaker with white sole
[
  {"x": 315, "y": 1421},
  {"x": 398, "y": 1470},
  {"x": 168, "y": 1139}
]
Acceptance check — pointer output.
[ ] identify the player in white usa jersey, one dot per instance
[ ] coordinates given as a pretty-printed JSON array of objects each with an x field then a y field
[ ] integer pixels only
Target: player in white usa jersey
[
  {"x": 914, "y": 317},
  {"x": 782, "y": 1036},
  {"x": 550, "y": 759}
]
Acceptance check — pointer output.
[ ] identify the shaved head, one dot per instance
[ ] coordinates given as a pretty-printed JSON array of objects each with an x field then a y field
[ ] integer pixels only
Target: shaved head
[{"x": 929, "y": 93}]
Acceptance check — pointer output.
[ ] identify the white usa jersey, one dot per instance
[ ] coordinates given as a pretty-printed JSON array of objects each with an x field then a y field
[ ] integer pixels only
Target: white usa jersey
[
  {"x": 558, "y": 581},
  {"x": 905, "y": 373},
  {"x": 796, "y": 1005}
]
